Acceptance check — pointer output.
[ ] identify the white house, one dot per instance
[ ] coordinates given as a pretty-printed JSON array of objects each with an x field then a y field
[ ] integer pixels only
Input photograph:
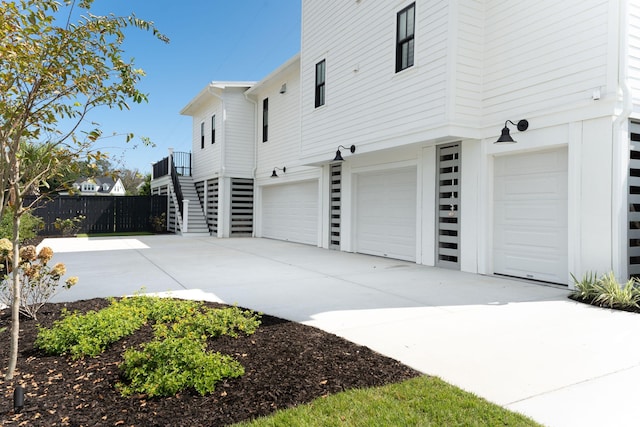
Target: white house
[
  {"x": 414, "y": 95},
  {"x": 99, "y": 186}
]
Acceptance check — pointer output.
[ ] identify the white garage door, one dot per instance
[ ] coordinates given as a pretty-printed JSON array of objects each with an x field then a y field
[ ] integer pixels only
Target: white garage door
[
  {"x": 290, "y": 212},
  {"x": 530, "y": 214},
  {"x": 386, "y": 213}
]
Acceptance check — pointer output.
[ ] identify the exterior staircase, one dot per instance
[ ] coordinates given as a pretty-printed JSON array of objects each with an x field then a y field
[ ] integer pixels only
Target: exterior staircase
[{"x": 194, "y": 222}]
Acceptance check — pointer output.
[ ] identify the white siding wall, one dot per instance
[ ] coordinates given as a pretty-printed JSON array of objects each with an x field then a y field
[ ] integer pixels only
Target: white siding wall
[
  {"x": 634, "y": 50},
  {"x": 544, "y": 56},
  {"x": 282, "y": 147},
  {"x": 239, "y": 134},
  {"x": 367, "y": 102},
  {"x": 467, "y": 26},
  {"x": 206, "y": 161}
]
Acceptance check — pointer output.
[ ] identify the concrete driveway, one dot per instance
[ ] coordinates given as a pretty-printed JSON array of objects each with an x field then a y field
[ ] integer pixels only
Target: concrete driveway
[{"x": 521, "y": 345}]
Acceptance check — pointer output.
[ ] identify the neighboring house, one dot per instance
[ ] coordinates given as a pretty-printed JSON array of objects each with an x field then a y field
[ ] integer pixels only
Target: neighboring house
[
  {"x": 101, "y": 186},
  {"x": 423, "y": 90}
]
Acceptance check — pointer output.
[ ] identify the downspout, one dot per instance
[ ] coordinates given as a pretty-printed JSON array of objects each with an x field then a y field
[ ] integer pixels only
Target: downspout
[{"x": 620, "y": 155}]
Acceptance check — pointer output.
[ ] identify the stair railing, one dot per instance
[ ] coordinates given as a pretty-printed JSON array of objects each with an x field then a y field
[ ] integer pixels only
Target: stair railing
[{"x": 176, "y": 186}]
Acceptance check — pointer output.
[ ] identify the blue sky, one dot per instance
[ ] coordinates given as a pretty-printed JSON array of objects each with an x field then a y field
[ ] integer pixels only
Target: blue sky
[{"x": 223, "y": 40}]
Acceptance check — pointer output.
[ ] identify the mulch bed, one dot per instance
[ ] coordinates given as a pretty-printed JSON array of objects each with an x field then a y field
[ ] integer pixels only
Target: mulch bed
[
  {"x": 596, "y": 304},
  {"x": 286, "y": 364}
]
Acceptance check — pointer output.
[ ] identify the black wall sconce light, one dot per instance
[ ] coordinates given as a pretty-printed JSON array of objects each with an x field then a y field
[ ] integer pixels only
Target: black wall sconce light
[
  {"x": 505, "y": 137},
  {"x": 275, "y": 175},
  {"x": 338, "y": 157}
]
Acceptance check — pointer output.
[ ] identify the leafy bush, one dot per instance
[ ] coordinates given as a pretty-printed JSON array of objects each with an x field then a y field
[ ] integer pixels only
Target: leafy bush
[
  {"x": 213, "y": 323},
  {"x": 39, "y": 281},
  {"x": 176, "y": 358},
  {"x": 585, "y": 288},
  {"x": 30, "y": 225},
  {"x": 166, "y": 366},
  {"x": 605, "y": 291},
  {"x": 159, "y": 223},
  {"x": 69, "y": 226},
  {"x": 90, "y": 334}
]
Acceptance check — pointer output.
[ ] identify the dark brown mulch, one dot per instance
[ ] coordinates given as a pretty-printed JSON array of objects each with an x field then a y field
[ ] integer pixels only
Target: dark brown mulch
[
  {"x": 597, "y": 304},
  {"x": 286, "y": 364}
]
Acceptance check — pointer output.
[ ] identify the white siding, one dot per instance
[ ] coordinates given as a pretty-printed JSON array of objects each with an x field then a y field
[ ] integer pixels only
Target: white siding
[
  {"x": 282, "y": 146},
  {"x": 206, "y": 161},
  {"x": 468, "y": 26},
  {"x": 544, "y": 55},
  {"x": 239, "y": 125},
  {"x": 634, "y": 50},
  {"x": 366, "y": 100}
]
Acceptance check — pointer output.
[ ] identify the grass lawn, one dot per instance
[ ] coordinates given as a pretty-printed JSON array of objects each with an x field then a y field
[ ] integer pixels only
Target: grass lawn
[{"x": 422, "y": 401}]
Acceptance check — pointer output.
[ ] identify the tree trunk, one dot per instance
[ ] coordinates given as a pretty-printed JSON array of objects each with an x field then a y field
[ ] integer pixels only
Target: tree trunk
[
  {"x": 16, "y": 202},
  {"x": 15, "y": 302}
]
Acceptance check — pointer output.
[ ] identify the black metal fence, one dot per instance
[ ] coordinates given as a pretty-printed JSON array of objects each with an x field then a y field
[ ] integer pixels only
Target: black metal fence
[
  {"x": 103, "y": 214},
  {"x": 180, "y": 161}
]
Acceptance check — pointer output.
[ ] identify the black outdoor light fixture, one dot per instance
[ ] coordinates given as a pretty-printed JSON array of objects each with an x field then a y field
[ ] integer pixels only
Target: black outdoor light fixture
[
  {"x": 338, "y": 157},
  {"x": 275, "y": 175},
  {"x": 505, "y": 137},
  {"x": 18, "y": 399}
]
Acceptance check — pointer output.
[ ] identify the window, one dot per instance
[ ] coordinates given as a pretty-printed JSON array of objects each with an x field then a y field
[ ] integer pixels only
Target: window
[
  {"x": 320, "y": 79},
  {"x": 202, "y": 135},
  {"x": 213, "y": 129},
  {"x": 405, "y": 39},
  {"x": 265, "y": 119}
]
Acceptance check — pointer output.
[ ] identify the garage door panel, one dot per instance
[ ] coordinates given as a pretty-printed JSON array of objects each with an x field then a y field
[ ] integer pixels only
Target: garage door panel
[
  {"x": 532, "y": 187},
  {"x": 290, "y": 212},
  {"x": 531, "y": 216},
  {"x": 386, "y": 213},
  {"x": 541, "y": 162},
  {"x": 533, "y": 240},
  {"x": 521, "y": 266},
  {"x": 543, "y": 213}
]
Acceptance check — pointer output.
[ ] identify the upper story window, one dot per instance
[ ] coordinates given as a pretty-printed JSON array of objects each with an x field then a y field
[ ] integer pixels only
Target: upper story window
[
  {"x": 213, "y": 129},
  {"x": 86, "y": 186},
  {"x": 265, "y": 119},
  {"x": 405, "y": 37},
  {"x": 320, "y": 82},
  {"x": 202, "y": 135}
]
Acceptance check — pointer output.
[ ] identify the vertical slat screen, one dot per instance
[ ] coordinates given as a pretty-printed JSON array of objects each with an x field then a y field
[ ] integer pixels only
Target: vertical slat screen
[
  {"x": 211, "y": 211},
  {"x": 633, "y": 230},
  {"x": 448, "y": 207},
  {"x": 241, "y": 207},
  {"x": 335, "y": 191}
]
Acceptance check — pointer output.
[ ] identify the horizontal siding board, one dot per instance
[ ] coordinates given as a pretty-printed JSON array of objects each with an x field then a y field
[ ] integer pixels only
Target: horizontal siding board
[
  {"x": 372, "y": 103},
  {"x": 534, "y": 59}
]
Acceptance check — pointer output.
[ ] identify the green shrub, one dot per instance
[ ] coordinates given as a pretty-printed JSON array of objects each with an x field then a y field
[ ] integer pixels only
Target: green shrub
[
  {"x": 69, "y": 226},
  {"x": 159, "y": 223},
  {"x": 166, "y": 366},
  {"x": 176, "y": 358},
  {"x": 614, "y": 295},
  {"x": 605, "y": 291},
  {"x": 30, "y": 225},
  {"x": 213, "y": 323},
  {"x": 90, "y": 334},
  {"x": 586, "y": 288}
]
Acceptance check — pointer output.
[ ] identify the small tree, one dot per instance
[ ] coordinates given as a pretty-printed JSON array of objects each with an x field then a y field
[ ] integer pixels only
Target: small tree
[{"x": 50, "y": 74}]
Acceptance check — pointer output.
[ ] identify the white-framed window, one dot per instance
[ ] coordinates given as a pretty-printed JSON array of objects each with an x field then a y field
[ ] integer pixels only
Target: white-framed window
[
  {"x": 321, "y": 73},
  {"x": 405, "y": 44}
]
